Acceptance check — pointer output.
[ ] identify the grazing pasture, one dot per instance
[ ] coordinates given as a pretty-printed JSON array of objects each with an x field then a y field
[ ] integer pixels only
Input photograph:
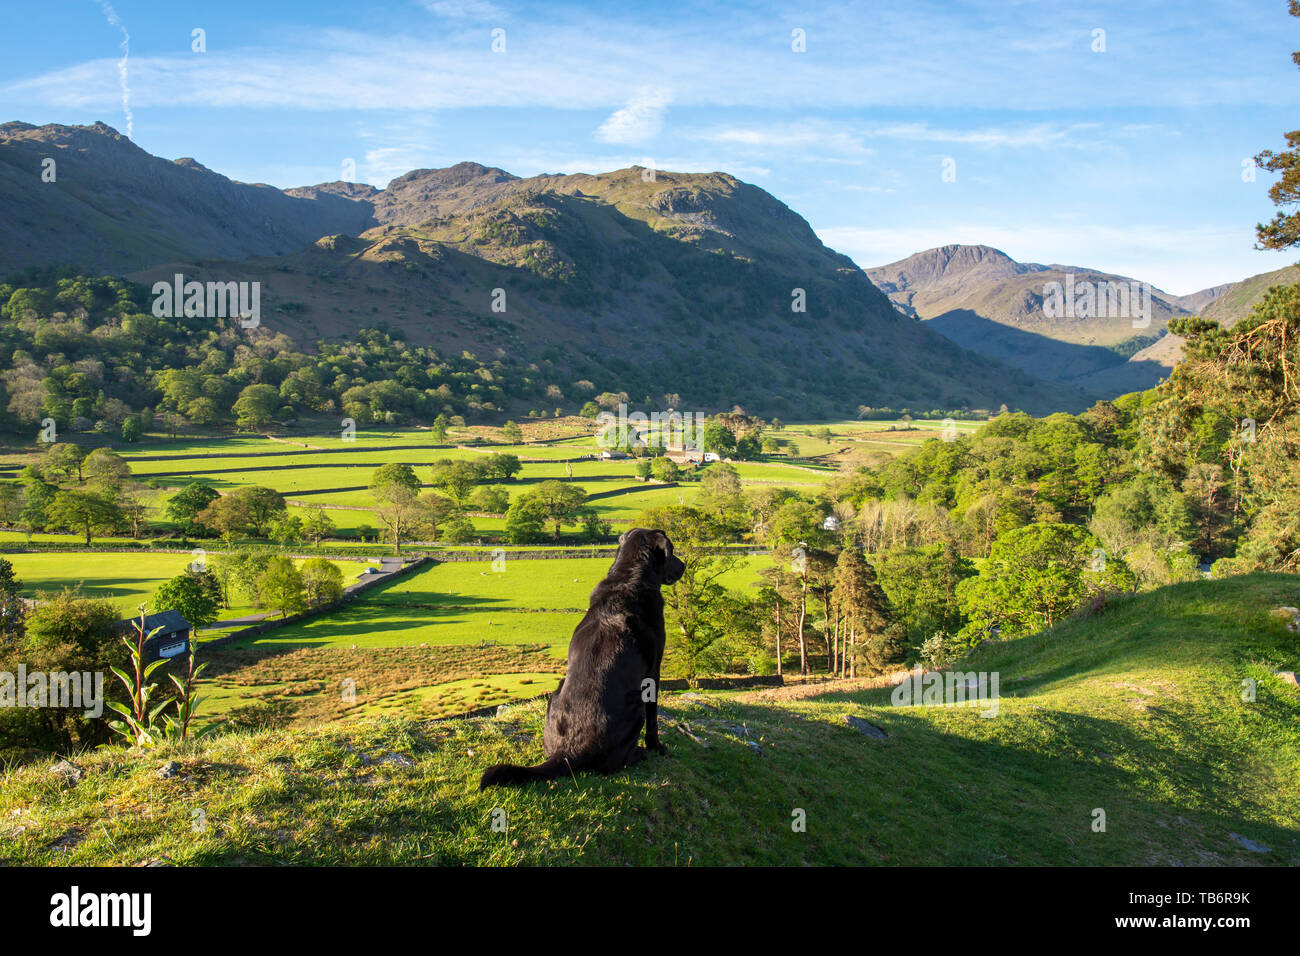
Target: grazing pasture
[
  {"x": 126, "y": 579},
  {"x": 327, "y": 471},
  {"x": 461, "y": 633},
  {"x": 440, "y": 613}
]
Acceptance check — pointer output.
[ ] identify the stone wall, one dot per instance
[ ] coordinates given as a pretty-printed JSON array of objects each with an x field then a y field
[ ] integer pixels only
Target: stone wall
[{"x": 350, "y": 594}]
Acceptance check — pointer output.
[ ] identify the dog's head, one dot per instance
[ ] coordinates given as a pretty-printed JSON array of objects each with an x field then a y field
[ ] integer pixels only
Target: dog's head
[{"x": 656, "y": 551}]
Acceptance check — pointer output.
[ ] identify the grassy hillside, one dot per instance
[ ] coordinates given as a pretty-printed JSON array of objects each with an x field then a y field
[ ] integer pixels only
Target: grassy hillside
[
  {"x": 119, "y": 208},
  {"x": 1136, "y": 710},
  {"x": 1237, "y": 301}
]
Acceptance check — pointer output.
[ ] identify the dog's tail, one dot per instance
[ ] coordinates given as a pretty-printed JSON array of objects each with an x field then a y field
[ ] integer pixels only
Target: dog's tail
[{"x": 507, "y": 774}]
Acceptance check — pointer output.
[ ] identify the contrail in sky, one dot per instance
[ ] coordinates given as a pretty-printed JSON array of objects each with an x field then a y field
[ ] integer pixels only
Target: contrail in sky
[{"x": 111, "y": 15}]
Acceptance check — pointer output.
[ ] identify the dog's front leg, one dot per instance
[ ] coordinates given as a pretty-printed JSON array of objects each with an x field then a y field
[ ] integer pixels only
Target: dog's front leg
[
  {"x": 652, "y": 717},
  {"x": 652, "y": 729}
]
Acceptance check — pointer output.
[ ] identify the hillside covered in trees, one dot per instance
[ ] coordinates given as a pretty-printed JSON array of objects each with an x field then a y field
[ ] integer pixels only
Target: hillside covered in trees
[
  {"x": 639, "y": 280},
  {"x": 1013, "y": 529}
]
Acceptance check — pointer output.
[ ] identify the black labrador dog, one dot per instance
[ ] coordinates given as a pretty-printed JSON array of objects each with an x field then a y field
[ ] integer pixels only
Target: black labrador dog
[{"x": 594, "y": 718}]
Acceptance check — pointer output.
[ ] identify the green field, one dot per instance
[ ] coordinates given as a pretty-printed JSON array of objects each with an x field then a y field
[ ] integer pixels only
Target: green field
[
  {"x": 125, "y": 579},
  {"x": 447, "y": 611},
  {"x": 459, "y": 696},
  {"x": 537, "y": 601},
  {"x": 1137, "y": 711},
  {"x": 318, "y": 474},
  {"x": 347, "y": 521},
  {"x": 454, "y": 607},
  {"x": 782, "y": 474}
]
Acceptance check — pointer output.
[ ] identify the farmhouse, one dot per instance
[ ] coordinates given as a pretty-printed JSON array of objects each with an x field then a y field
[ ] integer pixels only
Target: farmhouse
[
  {"x": 172, "y": 639},
  {"x": 684, "y": 455}
]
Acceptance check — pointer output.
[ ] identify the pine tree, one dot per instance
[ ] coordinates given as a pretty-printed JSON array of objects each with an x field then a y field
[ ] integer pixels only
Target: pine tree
[
  {"x": 873, "y": 635},
  {"x": 1284, "y": 231}
]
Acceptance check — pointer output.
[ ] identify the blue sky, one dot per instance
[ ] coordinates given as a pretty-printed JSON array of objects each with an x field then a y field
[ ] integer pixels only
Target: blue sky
[{"x": 1127, "y": 158}]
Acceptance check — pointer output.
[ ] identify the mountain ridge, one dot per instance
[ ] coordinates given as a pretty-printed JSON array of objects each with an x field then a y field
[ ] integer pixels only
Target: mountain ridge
[
  {"x": 114, "y": 207},
  {"x": 645, "y": 281},
  {"x": 967, "y": 291},
  {"x": 1233, "y": 301},
  {"x": 988, "y": 302}
]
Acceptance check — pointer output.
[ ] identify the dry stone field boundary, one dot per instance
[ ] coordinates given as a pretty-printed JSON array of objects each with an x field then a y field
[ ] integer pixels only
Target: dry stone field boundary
[{"x": 350, "y": 594}]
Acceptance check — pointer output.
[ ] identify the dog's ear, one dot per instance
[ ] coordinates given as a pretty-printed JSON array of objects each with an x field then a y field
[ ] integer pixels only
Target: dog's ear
[
  {"x": 621, "y": 538},
  {"x": 671, "y": 568}
]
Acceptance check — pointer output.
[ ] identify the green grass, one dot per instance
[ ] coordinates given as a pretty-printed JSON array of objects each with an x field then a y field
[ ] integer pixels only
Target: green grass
[
  {"x": 314, "y": 475},
  {"x": 126, "y": 579},
  {"x": 530, "y": 584},
  {"x": 744, "y": 575},
  {"x": 531, "y": 603},
  {"x": 62, "y": 539},
  {"x": 372, "y": 626},
  {"x": 627, "y": 506},
  {"x": 467, "y": 602},
  {"x": 463, "y": 695},
  {"x": 348, "y": 522},
  {"x": 1137, "y": 711},
  {"x": 345, "y": 457},
  {"x": 457, "y": 604},
  {"x": 259, "y": 444},
  {"x": 795, "y": 474},
  {"x": 571, "y": 448}
]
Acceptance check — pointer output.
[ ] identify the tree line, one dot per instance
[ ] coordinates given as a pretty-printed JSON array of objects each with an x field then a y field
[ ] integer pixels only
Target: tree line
[{"x": 1012, "y": 529}]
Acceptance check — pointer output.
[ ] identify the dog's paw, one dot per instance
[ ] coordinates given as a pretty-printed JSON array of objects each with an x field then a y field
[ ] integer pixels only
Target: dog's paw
[{"x": 661, "y": 749}]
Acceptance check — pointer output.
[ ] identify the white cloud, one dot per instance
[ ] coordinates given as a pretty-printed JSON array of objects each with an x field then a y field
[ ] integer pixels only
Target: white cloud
[
  {"x": 384, "y": 163},
  {"x": 586, "y": 60},
  {"x": 826, "y": 138},
  {"x": 1039, "y": 135},
  {"x": 851, "y": 139},
  {"x": 463, "y": 9},
  {"x": 640, "y": 120}
]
